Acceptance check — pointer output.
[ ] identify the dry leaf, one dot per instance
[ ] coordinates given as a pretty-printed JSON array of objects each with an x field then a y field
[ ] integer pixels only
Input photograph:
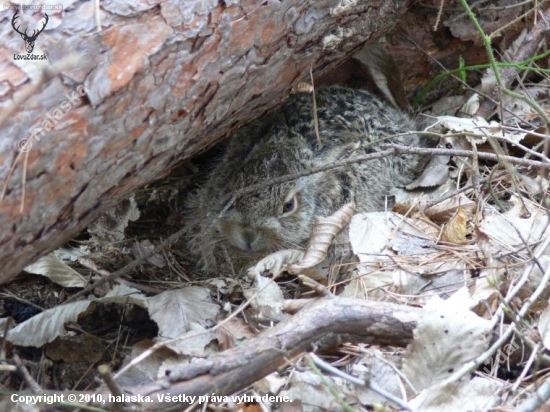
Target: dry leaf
[
  {"x": 78, "y": 348},
  {"x": 176, "y": 310},
  {"x": 231, "y": 331},
  {"x": 147, "y": 369},
  {"x": 374, "y": 234},
  {"x": 268, "y": 301},
  {"x": 144, "y": 247},
  {"x": 503, "y": 228},
  {"x": 185, "y": 314},
  {"x": 378, "y": 368},
  {"x": 456, "y": 230},
  {"x": 478, "y": 394},
  {"x": 478, "y": 129},
  {"x": 124, "y": 295},
  {"x": 471, "y": 106},
  {"x": 533, "y": 186},
  {"x": 48, "y": 325},
  {"x": 448, "y": 105},
  {"x": 302, "y": 87},
  {"x": 272, "y": 383},
  {"x": 310, "y": 390},
  {"x": 322, "y": 235},
  {"x": 110, "y": 226},
  {"x": 544, "y": 327},
  {"x": 275, "y": 263},
  {"x": 446, "y": 210},
  {"x": 446, "y": 337},
  {"x": 57, "y": 271},
  {"x": 434, "y": 174},
  {"x": 192, "y": 343}
]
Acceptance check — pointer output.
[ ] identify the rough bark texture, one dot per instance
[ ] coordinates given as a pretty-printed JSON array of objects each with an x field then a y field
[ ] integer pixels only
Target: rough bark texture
[{"x": 162, "y": 79}]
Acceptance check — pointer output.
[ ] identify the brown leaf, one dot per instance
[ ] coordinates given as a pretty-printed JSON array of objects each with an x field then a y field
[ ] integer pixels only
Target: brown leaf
[
  {"x": 323, "y": 233},
  {"x": 231, "y": 331},
  {"x": 456, "y": 230}
]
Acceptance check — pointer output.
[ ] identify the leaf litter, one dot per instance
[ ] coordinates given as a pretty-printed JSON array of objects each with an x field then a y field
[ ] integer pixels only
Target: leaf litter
[{"x": 457, "y": 258}]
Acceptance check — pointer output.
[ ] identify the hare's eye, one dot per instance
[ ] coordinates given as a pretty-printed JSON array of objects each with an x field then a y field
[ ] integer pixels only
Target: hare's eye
[{"x": 289, "y": 206}]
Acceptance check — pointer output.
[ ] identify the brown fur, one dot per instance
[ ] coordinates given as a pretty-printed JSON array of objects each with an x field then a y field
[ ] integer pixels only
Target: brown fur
[{"x": 351, "y": 123}]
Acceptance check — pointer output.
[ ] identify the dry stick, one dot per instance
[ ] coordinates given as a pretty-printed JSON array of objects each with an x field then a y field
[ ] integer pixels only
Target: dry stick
[
  {"x": 393, "y": 149},
  {"x": 23, "y": 182},
  {"x": 315, "y": 119},
  {"x": 33, "y": 385},
  {"x": 229, "y": 371},
  {"x": 129, "y": 267},
  {"x": 526, "y": 368},
  {"x": 527, "y": 150},
  {"x": 537, "y": 399},
  {"x": 324, "y": 321},
  {"x": 480, "y": 360},
  {"x": 162, "y": 344},
  {"x": 475, "y": 172},
  {"x": 97, "y": 16},
  {"x": 508, "y": 74},
  {"x": 329, "y": 384},
  {"x": 469, "y": 153},
  {"x": 105, "y": 374},
  {"x": 360, "y": 382},
  {"x": 439, "y": 13},
  {"x": 282, "y": 179}
]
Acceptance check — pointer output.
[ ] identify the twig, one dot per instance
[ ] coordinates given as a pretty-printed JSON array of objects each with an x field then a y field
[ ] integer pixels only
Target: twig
[
  {"x": 368, "y": 383},
  {"x": 116, "y": 390},
  {"x": 320, "y": 290},
  {"x": 439, "y": 13},
  {"x": 23, "y": 182},
  {"x": 129, "y": 267},
  {"x": 480, "y": 360},
  {"x": 527, "y": 49},
  {"x": 393, "y": 149},
  {"x": 315, "y": 119},
  {"x": 97, "y": 13},
  {"x": 314, "y": 362},
  {"x": 33, "y": 385},
  {"x": 159, "y": 345},
  {"x": 470, "y": 154},
  {"x": 526, "y": 368},
  {"x": 537, "y": 399}
]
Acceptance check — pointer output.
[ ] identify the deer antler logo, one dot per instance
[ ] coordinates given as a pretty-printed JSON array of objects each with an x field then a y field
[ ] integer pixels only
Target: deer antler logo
[{"x": 29, "y": 40}]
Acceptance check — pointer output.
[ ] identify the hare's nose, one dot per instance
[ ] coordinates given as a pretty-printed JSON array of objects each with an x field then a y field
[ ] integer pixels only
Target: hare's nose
[{"x": 249, "y": 238}]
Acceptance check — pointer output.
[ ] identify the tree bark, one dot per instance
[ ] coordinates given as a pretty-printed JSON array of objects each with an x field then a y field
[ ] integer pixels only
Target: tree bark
[{"x": 130, "y": 89}]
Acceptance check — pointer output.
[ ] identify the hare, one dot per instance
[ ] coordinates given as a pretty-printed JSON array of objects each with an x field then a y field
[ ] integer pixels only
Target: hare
[{"x": 351, "y": 123}]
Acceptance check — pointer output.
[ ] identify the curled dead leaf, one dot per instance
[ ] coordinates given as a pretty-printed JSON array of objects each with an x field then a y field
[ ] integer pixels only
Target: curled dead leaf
[
  {"x": 456, "y": 229},
  {"x": 323, "y": 233}
]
